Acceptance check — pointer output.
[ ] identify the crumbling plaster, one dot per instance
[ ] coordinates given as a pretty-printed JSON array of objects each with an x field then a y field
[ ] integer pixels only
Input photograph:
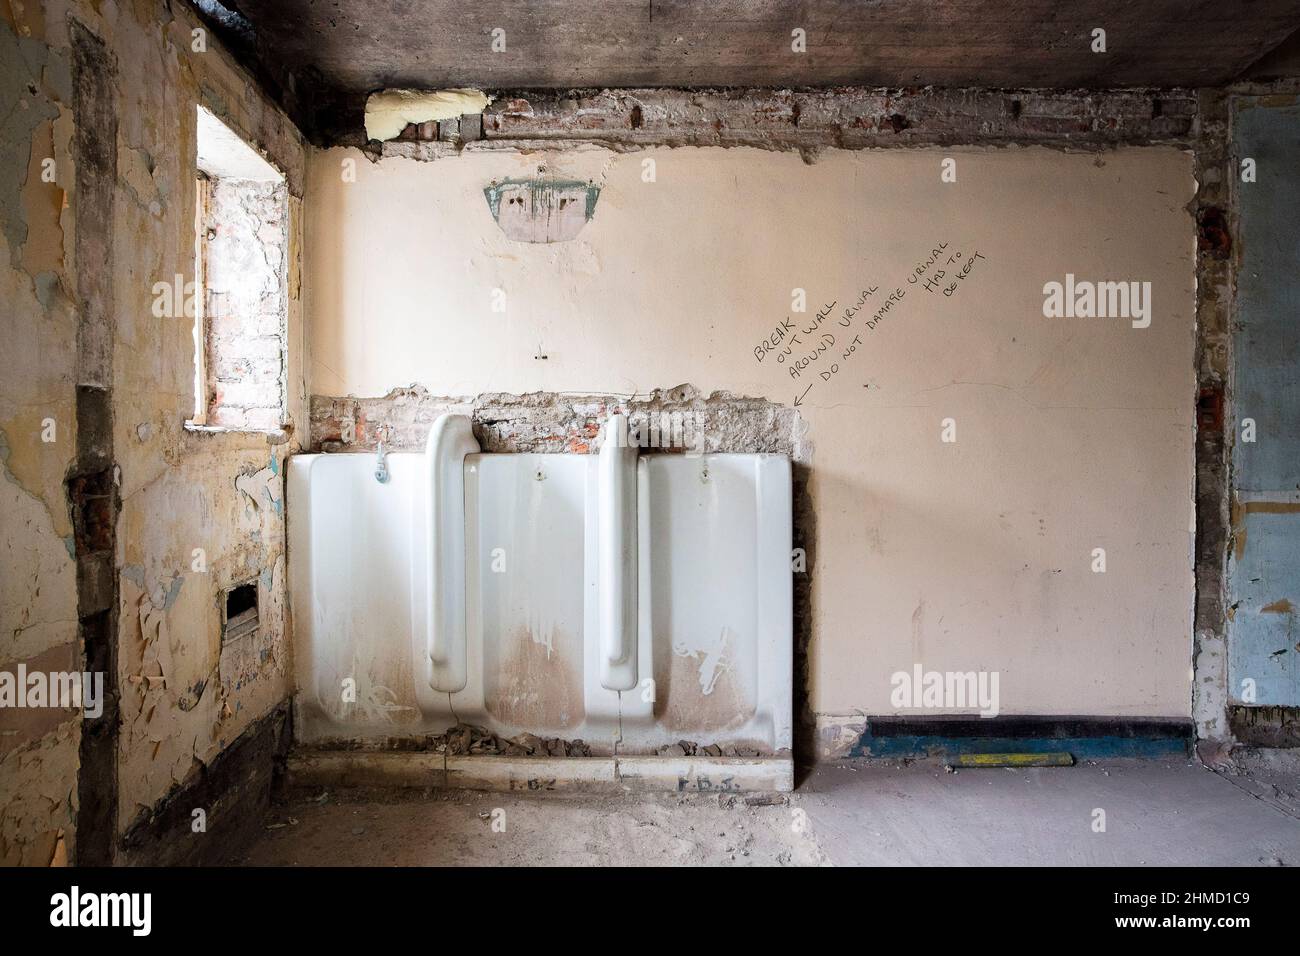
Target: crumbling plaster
[
  {"x": 38, "y": 580},
  {"x": 806, "y": 121},
  {"x": 182, "y": 697}
]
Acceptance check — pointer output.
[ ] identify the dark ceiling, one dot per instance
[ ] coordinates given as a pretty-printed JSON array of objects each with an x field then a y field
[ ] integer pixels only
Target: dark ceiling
[{"x": 321, "y": 57}]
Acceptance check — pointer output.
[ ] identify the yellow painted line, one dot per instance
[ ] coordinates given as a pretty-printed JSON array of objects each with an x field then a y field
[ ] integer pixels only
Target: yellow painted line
[{"x": 1059, "y": 759}]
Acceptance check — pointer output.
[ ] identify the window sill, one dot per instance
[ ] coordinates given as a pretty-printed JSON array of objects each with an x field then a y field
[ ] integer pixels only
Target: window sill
[{"x": 276, "y": 436}]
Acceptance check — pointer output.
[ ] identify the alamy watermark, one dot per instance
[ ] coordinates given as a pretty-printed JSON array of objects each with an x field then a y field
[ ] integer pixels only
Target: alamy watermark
[
  {"x": 1082, "y": 299},
  {"x": 129, "y": 910},
  {"x": 56, "y": 689},
  {"x": 948, "y": 690},
  {"x": 684, "y": 430}
]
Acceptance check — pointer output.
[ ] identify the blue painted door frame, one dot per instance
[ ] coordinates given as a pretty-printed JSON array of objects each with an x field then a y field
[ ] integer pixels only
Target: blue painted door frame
[{"x": 1264, "y": 565}]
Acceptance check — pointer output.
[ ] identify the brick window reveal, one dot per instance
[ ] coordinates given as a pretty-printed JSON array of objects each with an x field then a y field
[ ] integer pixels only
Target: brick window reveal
[{"x": 241, "y": 249}]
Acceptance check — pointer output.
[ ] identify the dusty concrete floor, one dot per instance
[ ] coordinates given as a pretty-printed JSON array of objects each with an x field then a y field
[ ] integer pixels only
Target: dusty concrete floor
[{"x": 1172, "y": 812}]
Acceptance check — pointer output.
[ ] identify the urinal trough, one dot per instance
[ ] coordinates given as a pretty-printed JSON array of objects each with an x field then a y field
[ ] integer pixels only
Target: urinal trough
[{"x": 629, "y": 601}]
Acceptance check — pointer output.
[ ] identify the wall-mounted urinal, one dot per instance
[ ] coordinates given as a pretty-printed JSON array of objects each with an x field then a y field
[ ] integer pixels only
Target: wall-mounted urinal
[{"x": 629, "y": 601}]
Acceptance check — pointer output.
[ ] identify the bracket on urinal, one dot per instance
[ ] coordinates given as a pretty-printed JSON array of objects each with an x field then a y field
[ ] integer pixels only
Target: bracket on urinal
[{"x": 450, "y": 440}]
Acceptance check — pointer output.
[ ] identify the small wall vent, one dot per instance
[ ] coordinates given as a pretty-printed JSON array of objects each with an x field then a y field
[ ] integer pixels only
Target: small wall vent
[{"x": 239, "y": 617}]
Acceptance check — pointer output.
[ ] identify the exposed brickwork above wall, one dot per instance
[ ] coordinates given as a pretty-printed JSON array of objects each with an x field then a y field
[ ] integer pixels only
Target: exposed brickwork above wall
[
  {"x": 845, "y": 118},
  {"x": 551, "y": 422}
]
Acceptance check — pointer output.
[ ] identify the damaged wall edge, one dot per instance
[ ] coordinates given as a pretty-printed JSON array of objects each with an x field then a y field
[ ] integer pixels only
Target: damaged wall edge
[
  {"x": 1256, "y": 726},
  {"x": 1220, "y": 724},
  {"x": 554, "y": 421},
  {"x": 1214, "y": 290},
  {"x": 94, "y": 497}
]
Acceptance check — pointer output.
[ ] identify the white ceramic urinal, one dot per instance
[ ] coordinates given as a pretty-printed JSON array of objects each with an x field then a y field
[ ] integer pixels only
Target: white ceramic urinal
[
  {"x": 617, "y": 557},
  {"x": 450, "y": 440}
]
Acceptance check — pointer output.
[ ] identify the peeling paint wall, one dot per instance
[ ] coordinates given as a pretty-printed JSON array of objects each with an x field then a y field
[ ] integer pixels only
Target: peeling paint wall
[
  {"x": 38, "y": 571},
  {"x": 1237, "y": 302},
  {"x": 1264, "y": 562},
  {"x": 198, "y": 511},
  {"x": 975, "y": 555}
]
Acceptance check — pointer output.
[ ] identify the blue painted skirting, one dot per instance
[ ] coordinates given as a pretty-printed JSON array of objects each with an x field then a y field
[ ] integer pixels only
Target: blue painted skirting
[{"x": 1084, "y": 737}]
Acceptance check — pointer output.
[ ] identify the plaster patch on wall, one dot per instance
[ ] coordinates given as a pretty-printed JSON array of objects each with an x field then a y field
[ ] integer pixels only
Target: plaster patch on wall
[
  {"x": 388, "y": 111},
  {"x": 1210, "y": 685},
  {"x": 838, "y": 734},
  {"x": 43, "y": 204},
  {"x": 185, "y": 693},
  {"x": 136, "y": 167},
  {"x": 181, "y": 696},
  {"x": 542, "y": 210}
]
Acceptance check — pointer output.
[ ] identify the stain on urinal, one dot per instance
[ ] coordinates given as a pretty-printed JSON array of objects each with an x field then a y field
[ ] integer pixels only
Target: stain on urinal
[
  {"x": 538, "y": 686},
  {"x": 701, "y": 691}
]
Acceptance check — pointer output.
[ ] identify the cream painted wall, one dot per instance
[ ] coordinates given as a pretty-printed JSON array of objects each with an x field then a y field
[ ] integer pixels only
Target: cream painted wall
[{"x": 1072, "y": 434}]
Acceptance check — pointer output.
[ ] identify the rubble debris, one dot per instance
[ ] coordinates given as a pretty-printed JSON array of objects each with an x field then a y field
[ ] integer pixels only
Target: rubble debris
[
  {"x": 470, "y": 739},
  {"x": 689, "y": 748}
]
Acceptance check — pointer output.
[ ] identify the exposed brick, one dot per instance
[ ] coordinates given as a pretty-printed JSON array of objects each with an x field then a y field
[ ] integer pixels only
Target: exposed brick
[
  {"x": 552, "y": 422},
  {"x": 1213, "y": 236},
  {"x": 263, "y": 418},
  {"x": 244, "y": 263},
  {"x": 809, "y": 120}
]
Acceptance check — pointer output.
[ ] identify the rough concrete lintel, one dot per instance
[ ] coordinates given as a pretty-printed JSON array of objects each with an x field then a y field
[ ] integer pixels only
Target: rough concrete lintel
[{"x": 808, "y": 121}]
